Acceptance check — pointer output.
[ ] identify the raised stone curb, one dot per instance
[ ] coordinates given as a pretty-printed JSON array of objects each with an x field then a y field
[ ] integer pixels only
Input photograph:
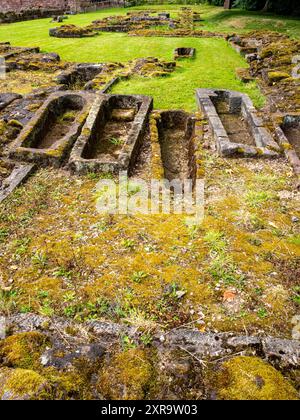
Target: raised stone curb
[{"x": 18, "y": 175}]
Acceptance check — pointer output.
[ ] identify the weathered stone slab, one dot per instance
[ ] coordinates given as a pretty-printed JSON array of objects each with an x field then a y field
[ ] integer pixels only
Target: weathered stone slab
[
  {"x": 288, "y": 136},
  {"x": 285, "y": 353},
  {"x": 281, "y": 353},
  {"x": 7, "y": 98},
  {"x": 18, "y": 175}
]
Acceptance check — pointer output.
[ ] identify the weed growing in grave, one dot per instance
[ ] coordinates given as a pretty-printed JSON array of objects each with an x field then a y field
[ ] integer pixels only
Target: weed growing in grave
[
  {"x": 262, "y": 313},
  {"x": 62, "y": 272},
  {"x": 115, "y": 141},
  {"x": 127, "y": 343},
  {"x": 221, "y": 268},
  {"x": 296, "y": 295},
  {"x": 4, "y": 233}
]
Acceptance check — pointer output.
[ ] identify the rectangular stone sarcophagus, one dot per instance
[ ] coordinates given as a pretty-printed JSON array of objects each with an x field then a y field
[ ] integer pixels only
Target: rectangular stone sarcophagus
[
  {"x": 51, "y": 133},
  {"x": 235, "y": 125},
  {"x": 112, "y": 135}
]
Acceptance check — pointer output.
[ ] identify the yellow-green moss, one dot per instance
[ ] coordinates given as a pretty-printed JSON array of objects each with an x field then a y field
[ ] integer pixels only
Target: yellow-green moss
[
  {"x": 127, "y": 376},
  {"x": 23, "y": 350},
  {"x": 15, "y": 123},
  {"x": 249, "y": 378},
  {"x": 72, "y": 384},
  {"x": 276, "y": 76},
  {"x": 21, "y": 384}
]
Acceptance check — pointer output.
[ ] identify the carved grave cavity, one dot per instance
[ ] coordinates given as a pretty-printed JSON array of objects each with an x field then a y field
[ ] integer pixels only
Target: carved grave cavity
[
  {"x": 288, "y": 135},
  {"x": 113, "y": 133},
  {"x": 50, "y": 134},
  {"x": 184, "y": 52},
  {"x": 235, "y": 125},
  {"x": 176, "y": 132},
  {"x": 78, "y": 76}
]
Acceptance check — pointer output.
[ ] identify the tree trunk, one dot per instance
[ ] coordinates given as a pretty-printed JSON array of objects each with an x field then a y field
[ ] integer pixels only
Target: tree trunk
[{"x": 266, "y": 6}]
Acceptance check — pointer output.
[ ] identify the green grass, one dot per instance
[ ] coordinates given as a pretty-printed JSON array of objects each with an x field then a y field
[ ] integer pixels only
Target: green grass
[{"x": 214, "y": 65}]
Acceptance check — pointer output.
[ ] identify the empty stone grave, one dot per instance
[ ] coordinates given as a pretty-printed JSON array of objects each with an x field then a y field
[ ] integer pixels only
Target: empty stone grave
[
  {"x": 245, "y": 48},
  {"x": 11, "y": 176},
  {"x": 164, "y": 15},
  {"x": 113, "y": 133},
  {"x": 184, "y": 52},
  {"x": 176, "y": 131},
  {"x": 235, "y": 125},
  {"x": 50, "y": 134},
  {"x": 288, "y": 135},
  {"x": 78, "y": 76}
]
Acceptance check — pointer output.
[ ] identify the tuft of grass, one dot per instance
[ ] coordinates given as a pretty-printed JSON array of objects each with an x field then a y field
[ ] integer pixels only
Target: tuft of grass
[{"x": 256, "y": 199}]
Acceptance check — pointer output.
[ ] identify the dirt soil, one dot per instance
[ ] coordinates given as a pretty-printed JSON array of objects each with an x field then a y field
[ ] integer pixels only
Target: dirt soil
[
  {"x": 235, "y": 125},
  {"x": 114, "y": 135},
  {"x": 56, "y": 130}
]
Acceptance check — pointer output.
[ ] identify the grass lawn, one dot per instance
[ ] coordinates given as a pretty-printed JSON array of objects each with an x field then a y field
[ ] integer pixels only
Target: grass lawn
[{"x": 214, "y": 65}]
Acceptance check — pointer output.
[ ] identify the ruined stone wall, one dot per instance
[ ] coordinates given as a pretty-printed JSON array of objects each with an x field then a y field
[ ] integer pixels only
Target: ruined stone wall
[
  {"x": 22, "y": 5},
  {"x": 15, "y": 10}
]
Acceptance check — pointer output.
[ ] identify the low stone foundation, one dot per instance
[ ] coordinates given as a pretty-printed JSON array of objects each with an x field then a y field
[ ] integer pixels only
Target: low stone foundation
[{"x": 17, "y": 16}]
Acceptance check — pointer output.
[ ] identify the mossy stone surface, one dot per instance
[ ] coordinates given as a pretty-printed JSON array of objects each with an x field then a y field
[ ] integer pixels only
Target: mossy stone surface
[
  {"x": 22, "y": 384},
  {"x": 276, "y": 76},
  {"x": 127, "y": 376},
  {"x": 23, "y": 350},
  {"x": 250, "y": 378}
]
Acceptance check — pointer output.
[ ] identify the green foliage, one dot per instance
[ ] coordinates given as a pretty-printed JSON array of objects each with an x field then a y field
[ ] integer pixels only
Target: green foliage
[{"x": 288, "y": 7}]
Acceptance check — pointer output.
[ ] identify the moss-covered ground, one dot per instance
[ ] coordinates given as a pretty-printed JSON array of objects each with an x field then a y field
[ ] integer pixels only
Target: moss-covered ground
[{"x": 61, "y": 257}]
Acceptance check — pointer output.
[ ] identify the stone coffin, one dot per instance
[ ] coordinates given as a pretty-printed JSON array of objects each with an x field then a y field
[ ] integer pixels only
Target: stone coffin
[
  {"x": 51, "y": 133},
  {"x": 112, "y": 135},
  {"x": 184, "y": 52},
  {"x": 175, "y": 133},
  {"x": 241, "y": 105}
]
